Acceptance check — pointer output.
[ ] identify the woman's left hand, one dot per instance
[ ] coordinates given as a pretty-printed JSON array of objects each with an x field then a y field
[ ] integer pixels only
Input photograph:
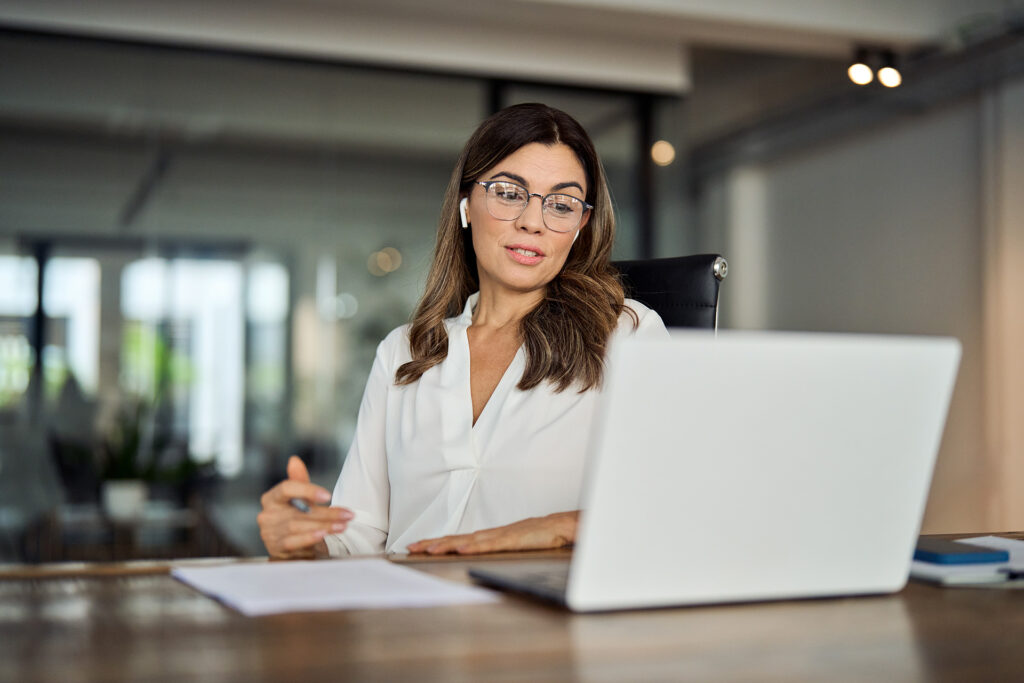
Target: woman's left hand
[{"x": 536, "y": 533}]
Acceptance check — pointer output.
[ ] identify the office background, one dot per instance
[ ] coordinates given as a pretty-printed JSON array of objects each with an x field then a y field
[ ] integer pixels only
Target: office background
[{"x": 210, "y": 213}]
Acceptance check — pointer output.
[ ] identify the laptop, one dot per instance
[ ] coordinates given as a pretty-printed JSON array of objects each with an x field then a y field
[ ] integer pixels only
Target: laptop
[{"x": 751, "y": 466}]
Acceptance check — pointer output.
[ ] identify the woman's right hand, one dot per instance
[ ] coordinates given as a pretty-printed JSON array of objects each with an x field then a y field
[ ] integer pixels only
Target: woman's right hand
[{"x": 289, "y": 533}]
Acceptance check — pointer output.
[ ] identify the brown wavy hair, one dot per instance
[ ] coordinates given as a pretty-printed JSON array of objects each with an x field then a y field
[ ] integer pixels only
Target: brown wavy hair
[{"x": 566, "y": 333}]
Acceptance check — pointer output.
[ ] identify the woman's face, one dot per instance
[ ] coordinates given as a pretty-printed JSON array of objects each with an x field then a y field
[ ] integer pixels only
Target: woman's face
[{"x": 523, "y": 255}]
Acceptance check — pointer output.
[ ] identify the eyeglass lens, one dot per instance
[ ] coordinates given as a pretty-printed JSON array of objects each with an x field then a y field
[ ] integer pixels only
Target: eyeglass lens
[{"x": 508, "y": 201}]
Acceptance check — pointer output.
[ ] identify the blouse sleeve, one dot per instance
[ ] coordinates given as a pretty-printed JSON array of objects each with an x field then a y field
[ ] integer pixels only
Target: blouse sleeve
[
  {"x": 649, "y": 323},
  {"x": 363, "y": 485}
]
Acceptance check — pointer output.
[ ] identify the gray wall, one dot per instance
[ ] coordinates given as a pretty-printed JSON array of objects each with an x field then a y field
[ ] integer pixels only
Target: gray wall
[{"x": 880, "y": 231}]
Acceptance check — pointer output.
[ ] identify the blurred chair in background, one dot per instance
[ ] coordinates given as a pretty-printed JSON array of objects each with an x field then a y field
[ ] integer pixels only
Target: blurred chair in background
[{"x": 30, "y": 488}]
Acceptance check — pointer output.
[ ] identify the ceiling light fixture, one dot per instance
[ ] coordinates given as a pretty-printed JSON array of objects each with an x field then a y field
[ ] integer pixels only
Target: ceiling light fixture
[
  {"x": 859, "y": 71},
  {"x": 889, "y": 75}
]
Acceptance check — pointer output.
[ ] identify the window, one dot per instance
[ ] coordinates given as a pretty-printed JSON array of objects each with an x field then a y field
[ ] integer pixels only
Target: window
[
  {"x": 183, "y": 350},
  {"x": 18, "y": 282}
]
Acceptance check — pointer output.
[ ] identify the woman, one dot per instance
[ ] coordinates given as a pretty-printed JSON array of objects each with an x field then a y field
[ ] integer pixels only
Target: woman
[{"x": 471, "y": 433}]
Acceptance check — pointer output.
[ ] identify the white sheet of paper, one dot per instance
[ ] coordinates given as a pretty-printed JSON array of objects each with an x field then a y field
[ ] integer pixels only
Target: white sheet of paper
[
  {"x": 1010, "y": 545},
  {"x": 359, "y": 583}
]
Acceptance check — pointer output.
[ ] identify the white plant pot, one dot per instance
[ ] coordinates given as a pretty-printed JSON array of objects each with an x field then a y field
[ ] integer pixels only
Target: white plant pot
[{"x": 124, "y": 500}]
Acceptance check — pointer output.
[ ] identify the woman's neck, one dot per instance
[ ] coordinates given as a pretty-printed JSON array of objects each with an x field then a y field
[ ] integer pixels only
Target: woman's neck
[{"x": 499, "y": 308}]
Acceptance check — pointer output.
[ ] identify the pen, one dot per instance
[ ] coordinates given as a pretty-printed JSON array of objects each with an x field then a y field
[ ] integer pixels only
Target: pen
[{"x": 299, "y": 504}]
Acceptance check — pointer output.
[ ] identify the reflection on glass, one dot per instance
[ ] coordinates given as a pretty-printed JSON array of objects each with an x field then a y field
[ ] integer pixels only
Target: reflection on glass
[
  {"x": 17, "y": 302},
  {"x": 267, "y": 312},
  {"x": 71, "y": 302},
  {"x": 183, "y": 350}
]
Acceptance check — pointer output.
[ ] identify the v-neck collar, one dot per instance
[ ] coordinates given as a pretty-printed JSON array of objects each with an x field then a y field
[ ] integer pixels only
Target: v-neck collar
[
  {"x": 488, "y": 414},
  {"x": 509, "y": 377}
]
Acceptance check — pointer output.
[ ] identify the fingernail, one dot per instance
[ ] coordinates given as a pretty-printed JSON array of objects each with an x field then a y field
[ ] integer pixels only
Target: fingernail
[
  {"x": 319, "y": 534},
  {"x": 323, "y": 496},
  {"x": 338, "y": 528},
  {"x": 345, "y": 514}
]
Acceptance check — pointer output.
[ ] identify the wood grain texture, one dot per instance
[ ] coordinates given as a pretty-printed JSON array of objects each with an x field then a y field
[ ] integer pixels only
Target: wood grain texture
[{"x": 144, "y": 625}]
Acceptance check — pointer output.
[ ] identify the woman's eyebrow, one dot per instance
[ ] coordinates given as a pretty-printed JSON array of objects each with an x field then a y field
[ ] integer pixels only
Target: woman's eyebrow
[
  {"x": 522, "y": 181},
  {"x": 512, "y": 176},
  {"x": 562, "y": 186}
]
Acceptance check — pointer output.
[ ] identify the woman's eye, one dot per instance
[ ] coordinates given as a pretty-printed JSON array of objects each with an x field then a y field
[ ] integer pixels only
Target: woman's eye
[
  {"x": 560, "y": 207},
  {"x": 508, "y": 192}
]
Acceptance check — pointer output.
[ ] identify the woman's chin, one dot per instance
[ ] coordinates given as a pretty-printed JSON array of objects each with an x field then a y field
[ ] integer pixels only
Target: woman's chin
[{"x": 523, "y": 285}]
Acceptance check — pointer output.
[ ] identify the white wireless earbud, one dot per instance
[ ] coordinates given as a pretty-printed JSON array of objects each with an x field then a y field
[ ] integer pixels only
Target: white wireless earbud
[
  {"x": 462, "y": 212},
  {"x": 574, "y": 238}
]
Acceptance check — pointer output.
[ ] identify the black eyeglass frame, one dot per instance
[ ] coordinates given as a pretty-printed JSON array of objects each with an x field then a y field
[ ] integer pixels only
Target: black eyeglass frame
[{"x": 486, "y": 184}]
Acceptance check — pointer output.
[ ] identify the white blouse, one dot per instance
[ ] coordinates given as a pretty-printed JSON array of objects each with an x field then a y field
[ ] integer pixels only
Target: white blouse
[{"x": 419, "y": 468}]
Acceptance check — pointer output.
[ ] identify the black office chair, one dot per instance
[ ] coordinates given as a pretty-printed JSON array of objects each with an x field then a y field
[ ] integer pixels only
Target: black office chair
[{"x": 683, "y": 289}]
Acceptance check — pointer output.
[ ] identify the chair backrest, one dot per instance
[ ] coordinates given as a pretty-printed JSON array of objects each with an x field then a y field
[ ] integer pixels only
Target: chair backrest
[{"x": 683, "y": 289}]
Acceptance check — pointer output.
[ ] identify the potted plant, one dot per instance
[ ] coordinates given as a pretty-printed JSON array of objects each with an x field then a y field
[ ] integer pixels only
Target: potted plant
[{"x": 125, "y": 469}]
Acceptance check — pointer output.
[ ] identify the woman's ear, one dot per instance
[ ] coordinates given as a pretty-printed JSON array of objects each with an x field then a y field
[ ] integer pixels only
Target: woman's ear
[
  {"x": 462, "y": 212},
  {"x": 584, "y": 223}
]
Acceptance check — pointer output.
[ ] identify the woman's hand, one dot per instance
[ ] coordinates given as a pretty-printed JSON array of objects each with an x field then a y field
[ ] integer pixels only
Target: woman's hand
[
  {"x": 537, "y": 533},
  {"x": 288, "y": 533}
]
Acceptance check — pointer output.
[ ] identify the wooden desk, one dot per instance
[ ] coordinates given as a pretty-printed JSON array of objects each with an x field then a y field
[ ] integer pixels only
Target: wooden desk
[{"x": 134, "y": 622}]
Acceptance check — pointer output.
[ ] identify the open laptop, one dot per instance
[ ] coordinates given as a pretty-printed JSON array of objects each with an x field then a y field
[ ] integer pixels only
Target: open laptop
[{"x": 752, "y": 466}]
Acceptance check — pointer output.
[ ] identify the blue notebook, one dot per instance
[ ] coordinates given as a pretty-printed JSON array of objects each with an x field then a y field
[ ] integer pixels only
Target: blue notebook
[{"x": 940, "y": 551}]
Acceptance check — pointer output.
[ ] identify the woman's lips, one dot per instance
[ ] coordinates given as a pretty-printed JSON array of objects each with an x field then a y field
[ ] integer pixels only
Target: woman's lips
[{"x": 524, "y": 255}]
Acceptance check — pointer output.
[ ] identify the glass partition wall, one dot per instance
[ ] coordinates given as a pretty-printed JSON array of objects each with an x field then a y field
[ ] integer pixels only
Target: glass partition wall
[{"x": 199, "y": 252}]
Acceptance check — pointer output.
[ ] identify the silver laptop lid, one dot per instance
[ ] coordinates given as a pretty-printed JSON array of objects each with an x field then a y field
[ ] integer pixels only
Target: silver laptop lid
[{"x": 759, "y": 466}]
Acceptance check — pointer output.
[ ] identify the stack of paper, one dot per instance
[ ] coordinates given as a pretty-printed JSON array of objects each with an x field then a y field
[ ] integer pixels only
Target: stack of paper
[
  {"x": 370, "y": 583},
  {"x": 975, "y": 574}
]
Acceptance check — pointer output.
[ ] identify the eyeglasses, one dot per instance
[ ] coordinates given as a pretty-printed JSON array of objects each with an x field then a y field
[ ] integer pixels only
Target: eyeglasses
[{"x": 507, "y": 201}]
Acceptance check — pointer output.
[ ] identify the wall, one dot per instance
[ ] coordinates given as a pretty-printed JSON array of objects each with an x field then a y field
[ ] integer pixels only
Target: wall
[
  {"x": 1003, "y": 277},
  {"x": 885, "y": 231}
]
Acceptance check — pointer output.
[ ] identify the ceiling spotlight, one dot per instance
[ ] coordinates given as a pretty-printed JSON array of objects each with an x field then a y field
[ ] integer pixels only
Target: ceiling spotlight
[
  {"x": 859, "y": 71},
  {"x": 889, "y": 75}
]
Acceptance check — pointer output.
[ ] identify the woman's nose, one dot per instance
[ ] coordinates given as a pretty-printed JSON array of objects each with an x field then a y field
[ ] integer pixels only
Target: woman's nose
[{"x": 532, "y": 218}]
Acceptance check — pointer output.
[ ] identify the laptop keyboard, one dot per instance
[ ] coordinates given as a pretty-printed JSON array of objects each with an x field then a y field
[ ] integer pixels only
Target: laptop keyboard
[
  {"x": 556, "y": 578},
  {"x": 548, "y": 580}
]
